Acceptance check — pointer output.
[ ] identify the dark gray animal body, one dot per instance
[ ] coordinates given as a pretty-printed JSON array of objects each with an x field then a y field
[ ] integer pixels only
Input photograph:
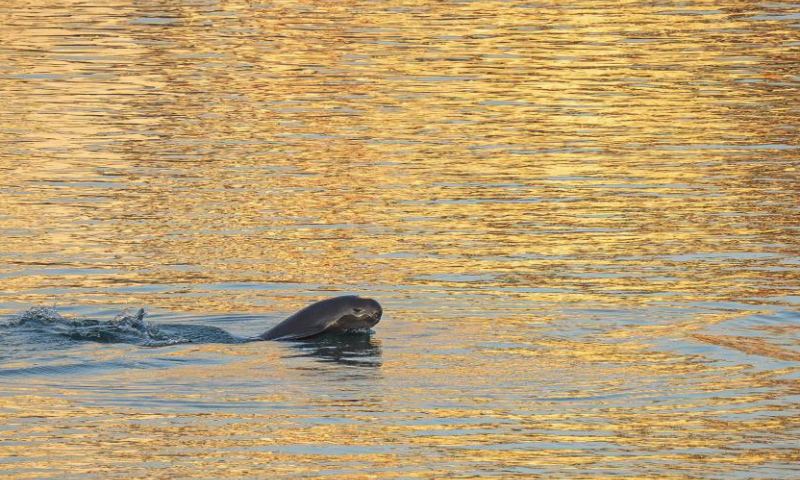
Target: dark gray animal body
[
  {"x": 349, "y": 313},
  {"x": 340, "y": 314}
]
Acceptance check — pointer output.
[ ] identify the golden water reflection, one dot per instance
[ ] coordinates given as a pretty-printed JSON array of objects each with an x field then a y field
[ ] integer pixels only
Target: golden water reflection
[{"x": 581, "y": 219}]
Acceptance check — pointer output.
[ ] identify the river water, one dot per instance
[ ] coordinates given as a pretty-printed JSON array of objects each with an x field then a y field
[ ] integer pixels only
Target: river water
[{"x": 582, "y": 221}]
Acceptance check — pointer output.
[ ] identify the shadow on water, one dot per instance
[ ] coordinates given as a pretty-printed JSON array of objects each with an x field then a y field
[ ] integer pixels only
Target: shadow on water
[{"x": 359, "y": 350}]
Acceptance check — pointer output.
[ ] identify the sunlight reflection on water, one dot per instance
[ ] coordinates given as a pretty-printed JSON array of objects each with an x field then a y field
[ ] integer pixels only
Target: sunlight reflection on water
[{"x": 582, "y": 223}]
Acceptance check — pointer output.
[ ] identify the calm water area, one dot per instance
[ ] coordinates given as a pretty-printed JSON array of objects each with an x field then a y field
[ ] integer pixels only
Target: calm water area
[{"x": 582, "y": 220}]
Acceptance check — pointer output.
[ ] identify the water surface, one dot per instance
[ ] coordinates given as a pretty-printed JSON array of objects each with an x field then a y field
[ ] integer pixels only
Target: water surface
[{"x": 581, "y": 220}]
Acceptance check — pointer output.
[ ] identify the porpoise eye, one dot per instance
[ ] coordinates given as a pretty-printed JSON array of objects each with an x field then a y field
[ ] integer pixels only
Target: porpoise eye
[{"x": 358, "y": 310}]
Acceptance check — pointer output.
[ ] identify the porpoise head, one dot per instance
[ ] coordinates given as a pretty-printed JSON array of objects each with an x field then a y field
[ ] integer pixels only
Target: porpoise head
[
  {"x": 358, "y": 313},
  {"x": 349, "y": 313}
]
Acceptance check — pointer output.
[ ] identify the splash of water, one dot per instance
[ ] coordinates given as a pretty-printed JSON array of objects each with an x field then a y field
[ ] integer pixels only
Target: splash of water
[{"x": 124, "y": 328}]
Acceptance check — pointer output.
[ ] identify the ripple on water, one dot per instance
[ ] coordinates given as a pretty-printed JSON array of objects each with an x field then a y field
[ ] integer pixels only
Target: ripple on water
[{"x": 581, "y": 221}]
